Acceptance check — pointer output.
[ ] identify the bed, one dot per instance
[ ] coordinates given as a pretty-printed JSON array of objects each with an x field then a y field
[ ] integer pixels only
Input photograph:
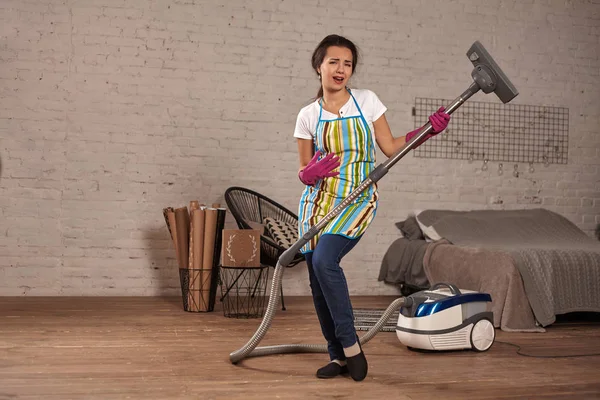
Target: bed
[{"x": 534, "y": 263}]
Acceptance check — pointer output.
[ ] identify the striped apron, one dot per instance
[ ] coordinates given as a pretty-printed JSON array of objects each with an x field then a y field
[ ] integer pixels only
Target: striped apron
[{"x": 351, "y": 140}]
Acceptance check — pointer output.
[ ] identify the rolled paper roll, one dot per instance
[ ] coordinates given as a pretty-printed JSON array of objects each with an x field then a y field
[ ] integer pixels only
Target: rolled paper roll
[
  {"x": 221, "y": 214},
  {"x": 182, "y": 221},
  {"x": 210, "y": 227},
  {"x": 192, "y": 302},
  {"x": 173, "y": 227},
  {"x": 198, "y": 217},
  {"x": 166, "y": 216},
  {"x": 193, "y": 296},
  {"x": 197, "y": 236},
  {"x": 193, "y": 206}
]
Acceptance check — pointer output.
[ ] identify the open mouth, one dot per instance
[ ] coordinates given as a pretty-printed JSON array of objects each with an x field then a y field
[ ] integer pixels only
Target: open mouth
[{"x": 338, "y": 79}]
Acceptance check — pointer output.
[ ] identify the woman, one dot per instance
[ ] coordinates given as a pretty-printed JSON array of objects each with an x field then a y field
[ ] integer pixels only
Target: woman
[{"x": 336, "y": 143}]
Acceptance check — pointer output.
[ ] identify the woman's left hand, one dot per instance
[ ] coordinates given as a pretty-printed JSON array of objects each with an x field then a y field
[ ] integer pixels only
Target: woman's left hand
[{"x": 439, "y": 120}]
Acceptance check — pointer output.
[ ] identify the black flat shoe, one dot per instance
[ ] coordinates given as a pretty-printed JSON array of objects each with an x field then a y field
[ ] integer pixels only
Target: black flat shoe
[
  {"x": 357, "y": 365},
  {"x": 331, "y": 370}
]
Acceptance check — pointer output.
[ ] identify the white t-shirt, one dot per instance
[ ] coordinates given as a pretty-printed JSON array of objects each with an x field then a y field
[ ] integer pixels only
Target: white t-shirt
[{"x": 370, "y": 105}]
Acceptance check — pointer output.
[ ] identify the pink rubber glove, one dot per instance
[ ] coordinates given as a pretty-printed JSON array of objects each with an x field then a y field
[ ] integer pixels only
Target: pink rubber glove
[
  {"x": 319, "y": 169},
  {"x": 439, "y": 121}
]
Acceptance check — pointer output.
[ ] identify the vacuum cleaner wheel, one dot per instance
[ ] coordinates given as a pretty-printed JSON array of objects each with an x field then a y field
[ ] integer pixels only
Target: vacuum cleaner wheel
[{"x": 482, "y": 335}]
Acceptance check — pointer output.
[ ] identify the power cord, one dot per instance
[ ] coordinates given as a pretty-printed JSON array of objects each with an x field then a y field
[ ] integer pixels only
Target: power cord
[{"x": 534, "y": 356}]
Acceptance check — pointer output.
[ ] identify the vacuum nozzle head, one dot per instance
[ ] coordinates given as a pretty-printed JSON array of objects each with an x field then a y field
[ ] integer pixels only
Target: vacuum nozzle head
[{"x": 488, "y": 75}]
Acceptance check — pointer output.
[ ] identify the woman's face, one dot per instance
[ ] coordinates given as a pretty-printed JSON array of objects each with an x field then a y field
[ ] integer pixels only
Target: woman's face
[{"x": 336, "y": 68}]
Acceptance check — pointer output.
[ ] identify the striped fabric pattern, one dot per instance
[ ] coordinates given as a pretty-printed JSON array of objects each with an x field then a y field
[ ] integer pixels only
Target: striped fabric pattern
[{"x": 351, "y": 140}]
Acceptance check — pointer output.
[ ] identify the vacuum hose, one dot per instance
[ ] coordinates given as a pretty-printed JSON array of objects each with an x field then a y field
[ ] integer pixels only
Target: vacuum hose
[{"x": 250, "y": 349}]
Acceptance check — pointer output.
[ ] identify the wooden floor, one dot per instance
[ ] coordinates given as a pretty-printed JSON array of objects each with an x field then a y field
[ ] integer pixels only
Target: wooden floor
[{"x": 149, "y": 348}]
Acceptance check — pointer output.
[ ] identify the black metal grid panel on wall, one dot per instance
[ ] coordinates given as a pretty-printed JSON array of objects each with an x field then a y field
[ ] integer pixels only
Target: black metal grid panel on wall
[{"x": 497, "y": 132}]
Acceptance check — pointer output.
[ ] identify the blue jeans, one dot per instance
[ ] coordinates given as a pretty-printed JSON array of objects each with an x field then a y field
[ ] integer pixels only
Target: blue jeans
[{"x": 330, "y": 292}]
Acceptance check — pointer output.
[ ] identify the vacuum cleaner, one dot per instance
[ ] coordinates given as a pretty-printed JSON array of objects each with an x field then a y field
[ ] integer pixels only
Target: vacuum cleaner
[
  {"x": 445, "y": 317},
  {"x": 455, "y": 318}
]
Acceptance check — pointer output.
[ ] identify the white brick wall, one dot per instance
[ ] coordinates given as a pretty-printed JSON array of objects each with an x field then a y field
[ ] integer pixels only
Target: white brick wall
[{"x": 112, "y": 109}]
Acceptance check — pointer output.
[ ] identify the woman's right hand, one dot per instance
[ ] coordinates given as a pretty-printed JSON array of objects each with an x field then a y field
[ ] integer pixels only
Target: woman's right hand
[{"x": 319, "y": 169}]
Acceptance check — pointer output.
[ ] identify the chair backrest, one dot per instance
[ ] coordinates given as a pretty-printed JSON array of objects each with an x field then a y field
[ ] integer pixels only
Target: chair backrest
[{"x": 249, "y": 206}]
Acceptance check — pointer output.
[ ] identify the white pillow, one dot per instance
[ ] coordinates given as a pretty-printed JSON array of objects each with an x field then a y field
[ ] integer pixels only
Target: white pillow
[
  {"x": 284, "y": 234},
  {"x": 429, "y": 232}
]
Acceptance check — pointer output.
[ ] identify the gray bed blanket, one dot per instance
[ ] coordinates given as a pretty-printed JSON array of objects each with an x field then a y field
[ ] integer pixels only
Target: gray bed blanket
[
  {"x": 559, "y": 263},
  {"x": 403, "y": 263}
]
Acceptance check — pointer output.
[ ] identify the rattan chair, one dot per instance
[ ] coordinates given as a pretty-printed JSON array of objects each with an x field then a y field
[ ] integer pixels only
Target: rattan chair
[{"x": 249, "y": 209}]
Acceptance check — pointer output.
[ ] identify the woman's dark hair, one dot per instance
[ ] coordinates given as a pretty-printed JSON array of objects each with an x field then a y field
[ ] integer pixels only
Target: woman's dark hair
[{"x": 321, "y": 50}]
